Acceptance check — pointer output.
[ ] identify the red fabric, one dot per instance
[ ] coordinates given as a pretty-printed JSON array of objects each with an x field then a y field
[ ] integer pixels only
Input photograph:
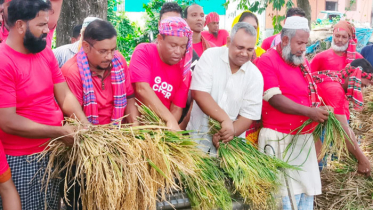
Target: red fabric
[
  {"x": 4, "y": 35},
  {"x": 345, "y": 26},
  {"x": 198, "y": 48},
  {"x": 221, "y": 40},
  {"x": 276, "y": 73},
  {"x": 328, "y": 60},
  {"x": 212, "y": 17},
  {"x": 104, "y": 97},
  {"x": 165, "y": 80},
  {"x": 27, "y": 82},
  {"x": 266, "y": 44},
  {"x": 4, "y": 167}
]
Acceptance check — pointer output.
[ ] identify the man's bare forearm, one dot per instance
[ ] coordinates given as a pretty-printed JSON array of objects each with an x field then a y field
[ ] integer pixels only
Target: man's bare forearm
[
  {"x": 14, "y": 124},
  {"x": 241, "y": 125}
]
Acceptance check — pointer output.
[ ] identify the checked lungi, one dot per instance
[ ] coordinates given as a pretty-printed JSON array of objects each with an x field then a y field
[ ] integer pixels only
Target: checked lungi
[{"x": 27, "y": 175}]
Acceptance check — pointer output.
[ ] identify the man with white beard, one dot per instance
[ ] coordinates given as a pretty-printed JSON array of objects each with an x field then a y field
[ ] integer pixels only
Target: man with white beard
[
  {"x": 290, "y": 99},
  {"x": 332, "y": 61}
]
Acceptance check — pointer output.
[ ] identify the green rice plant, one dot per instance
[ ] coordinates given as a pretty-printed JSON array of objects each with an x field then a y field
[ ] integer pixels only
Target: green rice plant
[{"x": 255, "y": 175}]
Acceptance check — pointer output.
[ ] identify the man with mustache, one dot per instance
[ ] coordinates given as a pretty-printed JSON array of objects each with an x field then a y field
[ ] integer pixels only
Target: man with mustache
[
  {"x": 214, "y": 34},
  {"x": 52, "y": 23},
  {"x": 227, "y": 87},
  {"x": 34, "y": 100},
  {"x": 334, "y": 60},
  {"x": 99, "y": 78},
  {"x": 195, "y": 17},
  {"x": 160, "y": 73},
  {"x": 290, "y": 98}
]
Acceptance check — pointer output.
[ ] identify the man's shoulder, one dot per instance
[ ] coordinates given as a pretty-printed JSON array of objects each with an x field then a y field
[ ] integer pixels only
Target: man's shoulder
[
  {"x": 223, "y": 31},
  {"x": 70, "y": 68},
  {"x": 325, "y": 53}
]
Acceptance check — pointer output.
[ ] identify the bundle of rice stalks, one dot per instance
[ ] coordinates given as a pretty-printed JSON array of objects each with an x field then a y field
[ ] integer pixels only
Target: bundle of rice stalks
[
  {"x": 123, "y": 167},
  {"x": 332, "y": 133},
  {"x": 207, "y": 190},
  {"x": 255, "y": 175}
]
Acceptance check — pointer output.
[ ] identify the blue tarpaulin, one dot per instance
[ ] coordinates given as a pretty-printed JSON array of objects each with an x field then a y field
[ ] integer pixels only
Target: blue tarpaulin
[{"x": 363, "y": 35}]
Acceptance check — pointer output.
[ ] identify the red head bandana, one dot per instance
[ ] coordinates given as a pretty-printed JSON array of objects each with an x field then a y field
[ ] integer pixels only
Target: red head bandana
[
  {"x": 350, "y": 29},
  {"x": 212, "y": 17},
  {"x": 176, "y": 26}
]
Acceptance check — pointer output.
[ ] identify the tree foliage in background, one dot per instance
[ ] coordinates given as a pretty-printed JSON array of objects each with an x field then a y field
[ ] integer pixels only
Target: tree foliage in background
[
  {"x": 260, "y": 7},
  {"x": 129, "y": 34}
]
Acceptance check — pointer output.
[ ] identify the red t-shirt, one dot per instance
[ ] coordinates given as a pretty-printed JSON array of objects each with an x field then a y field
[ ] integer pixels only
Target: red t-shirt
[
  {"x": 290, "y": 80},
  {"x": 165, "y": 80},
  {"x": 4, "y": 35},
  {"x": 332, "y": 92},
  {"x": 221, "y": 40},
  {"x": 101, "y": 85},
  {"x": 27, "y": 82},
  {"x": 266, "y": 44}
]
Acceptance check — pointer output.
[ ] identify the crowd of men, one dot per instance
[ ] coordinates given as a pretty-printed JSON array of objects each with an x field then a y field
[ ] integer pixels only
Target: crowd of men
[{"x": 186, "y": 76}]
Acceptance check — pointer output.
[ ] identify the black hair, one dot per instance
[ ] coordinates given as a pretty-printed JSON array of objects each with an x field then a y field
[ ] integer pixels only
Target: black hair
[
  {"x": 295, "y": 11},
  {"x": 170, "y": 7},
  {"x": 76, "y": 31},
  {"x": 25, "y": 10},
  {"x": 363, "y": 63},
  {"x": 185, "y": 12},
  {"x": 248, "y": 14},
  {"x": 99, "y": 30},
  {"x": 1, "y": 1}
]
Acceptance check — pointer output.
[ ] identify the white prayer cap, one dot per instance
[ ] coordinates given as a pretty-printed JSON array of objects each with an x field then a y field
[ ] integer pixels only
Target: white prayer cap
[
  {"x": 296, "y": 22},
  {"x": 88, "y": 20}
]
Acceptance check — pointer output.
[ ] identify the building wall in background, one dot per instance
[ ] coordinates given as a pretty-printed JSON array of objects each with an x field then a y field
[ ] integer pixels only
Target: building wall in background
[{"x": 362, "y": 14}]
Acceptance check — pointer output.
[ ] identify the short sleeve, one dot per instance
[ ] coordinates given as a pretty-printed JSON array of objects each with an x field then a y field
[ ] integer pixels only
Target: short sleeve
[
  {"x": 202, "y": 75},
  {"x": 181, "y": 95},
  {"x": 8, "y": 80},
  {"x": 253, "y": 98},
  {"x": 267, "y": 69},
  {"x": 54, "y": 67},
  {"x": 140, "y": 67},
  {"x": 129, "y": 87},
  {"x": 73, "y": 80}
]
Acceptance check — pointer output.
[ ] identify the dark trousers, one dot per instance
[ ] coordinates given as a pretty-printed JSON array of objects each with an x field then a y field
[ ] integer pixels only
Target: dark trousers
[{"x": 72, "y": 194}]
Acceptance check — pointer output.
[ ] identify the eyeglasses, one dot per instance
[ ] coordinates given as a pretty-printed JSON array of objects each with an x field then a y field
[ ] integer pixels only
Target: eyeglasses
[{"x": 104, "y": 53}]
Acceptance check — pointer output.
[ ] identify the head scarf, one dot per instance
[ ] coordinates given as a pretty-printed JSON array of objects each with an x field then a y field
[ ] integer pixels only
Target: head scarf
[
  {"x": 350, "y": 29},
  {"x": 176, "y": 26},
  {"x": 258, "y": 50},
  {"x": 212, "y": 17}
]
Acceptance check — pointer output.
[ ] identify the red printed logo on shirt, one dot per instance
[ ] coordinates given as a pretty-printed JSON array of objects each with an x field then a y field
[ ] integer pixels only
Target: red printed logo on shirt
[{"x": 162, "y": 87}]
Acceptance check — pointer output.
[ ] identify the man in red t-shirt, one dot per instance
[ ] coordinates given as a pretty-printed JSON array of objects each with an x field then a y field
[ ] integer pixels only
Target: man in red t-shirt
[
  {"x": 342, "y": 52},
  {"x": 52, "y": 23},
  {"x": 195, "y": 17},
  {"x": 106, "y": 71},
  {"x": 98, "y": 49},
  {"x": 34, "y": 99},
  {"x": 161, "y": 72},
  {"x": 214, "y": 34},
  {"x": 288, "y": 102}
]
